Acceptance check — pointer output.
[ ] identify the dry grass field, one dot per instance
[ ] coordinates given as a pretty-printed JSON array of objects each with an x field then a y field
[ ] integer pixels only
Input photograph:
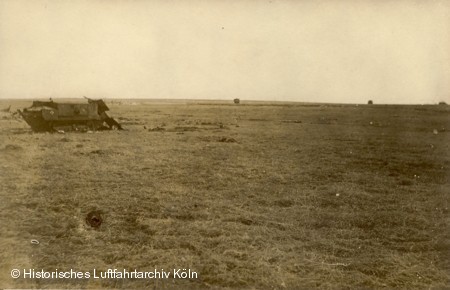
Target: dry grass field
[{"x": 256, "y": 195}]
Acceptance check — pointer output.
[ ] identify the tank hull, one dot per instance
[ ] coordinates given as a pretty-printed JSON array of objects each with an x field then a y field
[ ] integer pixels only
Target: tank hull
[{"x": 55, "y": 116}]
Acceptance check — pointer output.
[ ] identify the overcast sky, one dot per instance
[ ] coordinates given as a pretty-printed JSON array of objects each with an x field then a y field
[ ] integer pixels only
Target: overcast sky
[{"x": 316, "y": 51}]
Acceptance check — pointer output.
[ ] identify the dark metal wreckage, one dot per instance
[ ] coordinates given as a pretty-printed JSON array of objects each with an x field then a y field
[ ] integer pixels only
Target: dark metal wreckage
[{"x": 86, "y": 115}]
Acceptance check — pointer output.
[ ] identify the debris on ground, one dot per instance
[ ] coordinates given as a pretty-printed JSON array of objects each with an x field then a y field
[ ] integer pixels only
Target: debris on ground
[
  {"x": 291, "y": 121},
  {"x": 227, "y": 140},
  {"x": 157, "y": 129}
]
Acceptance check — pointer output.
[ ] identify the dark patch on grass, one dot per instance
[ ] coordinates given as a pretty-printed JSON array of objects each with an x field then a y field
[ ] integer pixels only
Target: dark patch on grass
[
  {"x": 406, "y": 182},
  {"x": 186, "y": 129},
  {"x": 227, "y": 140},
  {"x": 157, "y": 129},
  {"x": 284, "y": 203},
  {"x": 12, "y": 148},
  {"x": 94, "y": 218}
]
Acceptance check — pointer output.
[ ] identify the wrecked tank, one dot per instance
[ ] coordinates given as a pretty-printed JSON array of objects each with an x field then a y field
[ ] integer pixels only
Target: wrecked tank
[{"x": 49, "y": 116}]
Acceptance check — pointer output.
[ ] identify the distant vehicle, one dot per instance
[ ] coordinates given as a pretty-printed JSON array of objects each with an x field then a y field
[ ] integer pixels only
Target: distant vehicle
[{"x": 49, "y": 116}]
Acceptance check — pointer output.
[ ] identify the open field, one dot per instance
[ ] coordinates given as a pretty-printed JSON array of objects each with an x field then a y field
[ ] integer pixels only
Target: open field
[{"x": 255, "y": 195}]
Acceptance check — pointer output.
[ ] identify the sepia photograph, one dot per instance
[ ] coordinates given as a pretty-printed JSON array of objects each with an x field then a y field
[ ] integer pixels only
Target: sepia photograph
[{"x": 242, "y": 144}]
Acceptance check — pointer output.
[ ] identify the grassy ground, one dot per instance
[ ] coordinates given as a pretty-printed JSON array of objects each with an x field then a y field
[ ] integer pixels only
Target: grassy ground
[{"x": 248, "y": 196}]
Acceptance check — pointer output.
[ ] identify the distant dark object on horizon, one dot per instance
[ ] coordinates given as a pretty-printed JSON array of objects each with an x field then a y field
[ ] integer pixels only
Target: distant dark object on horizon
[
  {"x": 237, "y": 101},
  {"x": 443, "y": 103},
  {"x": 370, "y": 102}
]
